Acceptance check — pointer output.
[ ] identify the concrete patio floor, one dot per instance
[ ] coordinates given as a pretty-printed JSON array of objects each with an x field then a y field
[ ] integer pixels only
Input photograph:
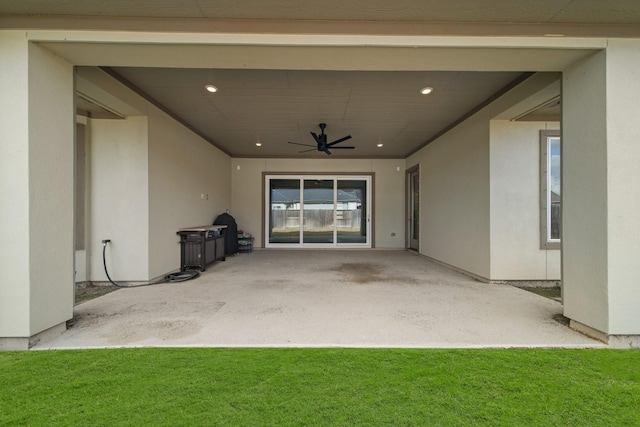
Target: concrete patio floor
[{"x": 321, "y": 298}]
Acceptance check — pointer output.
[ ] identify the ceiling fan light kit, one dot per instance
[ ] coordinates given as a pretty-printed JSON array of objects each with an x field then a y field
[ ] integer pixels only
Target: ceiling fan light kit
[{"x": 322, "y": 144}]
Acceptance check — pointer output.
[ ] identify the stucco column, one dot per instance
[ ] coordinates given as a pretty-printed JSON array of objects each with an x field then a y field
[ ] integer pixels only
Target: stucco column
[
  {"x": 601, "y": 194},
  {"x": 36, "y": 189}
]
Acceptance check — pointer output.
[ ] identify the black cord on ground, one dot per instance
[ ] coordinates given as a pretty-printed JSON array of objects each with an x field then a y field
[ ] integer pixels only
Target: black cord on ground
[{"x": 182, "y": 276}]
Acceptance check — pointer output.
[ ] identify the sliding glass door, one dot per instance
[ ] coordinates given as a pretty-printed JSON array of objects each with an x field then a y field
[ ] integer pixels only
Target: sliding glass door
[
  {"x": 284, "y": 215},
  {"x": 317, "y": 211},
  {"x": 352, "y": 211},
  {"x": 318, "y": 217}
]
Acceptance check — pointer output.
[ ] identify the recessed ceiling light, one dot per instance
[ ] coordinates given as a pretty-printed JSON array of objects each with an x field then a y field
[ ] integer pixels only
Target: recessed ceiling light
[
  {"x": 258, "y": 144},
  {"x": 426, "y": 90},
  {"x": 380, "y": 145},
  {"x": 211, "y": 88}
]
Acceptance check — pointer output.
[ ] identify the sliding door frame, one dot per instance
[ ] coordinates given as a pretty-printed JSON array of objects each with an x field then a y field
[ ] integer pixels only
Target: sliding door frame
[{"x": 368, "y": 176}]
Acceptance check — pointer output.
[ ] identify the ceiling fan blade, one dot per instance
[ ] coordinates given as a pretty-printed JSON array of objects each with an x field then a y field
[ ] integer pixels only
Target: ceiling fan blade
[
  {"x": 321, "y": 141},
  {"x": 339, "y": 140},
  {"x": 315, "y": 137},
  {"x": 304, "y": 145}
]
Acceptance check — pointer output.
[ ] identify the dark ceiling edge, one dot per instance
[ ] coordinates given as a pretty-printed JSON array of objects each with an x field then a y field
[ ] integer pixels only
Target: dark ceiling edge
[
  {"x": 315, "y": 26},
  {"x": 521, "y": 78},
  {"x": 160, "y": 106}
]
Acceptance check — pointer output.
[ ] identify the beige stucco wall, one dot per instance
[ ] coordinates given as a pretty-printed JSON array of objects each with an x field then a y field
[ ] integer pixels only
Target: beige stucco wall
[
  {"x": 390, "y": 203},
  {"x": 149, "y": 176},
  {"x": 601, "y": 186},
  {"x": 182, "y": 168},
  {"x": 623, "y": 156},
  {"x": 51, "y": 160},
  {"x": 119, "y": 200},
  {"x": 456, "y": 187},
  {"x": 454, "y": 197},
  {"x": 584, "y": 188},
  {"x": 14, "y": 186},
  {"x": 247, "y": 192},
  {"x": 515, "y": 203},
  {"x": 36, "y": 171}
]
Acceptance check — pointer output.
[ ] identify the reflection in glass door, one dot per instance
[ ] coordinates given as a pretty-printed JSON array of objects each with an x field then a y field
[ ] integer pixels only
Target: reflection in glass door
[
  {"x": 351, "y": 211},
  {"x": 318, "y": 211},
  {"x": 284, "y": 216}
]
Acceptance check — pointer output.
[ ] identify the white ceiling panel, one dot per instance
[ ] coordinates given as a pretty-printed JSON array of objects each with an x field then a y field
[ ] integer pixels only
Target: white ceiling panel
[{"x": 277, "y": 106}]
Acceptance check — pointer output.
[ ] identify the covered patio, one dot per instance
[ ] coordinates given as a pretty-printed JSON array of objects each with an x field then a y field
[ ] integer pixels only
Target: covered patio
[{"x": 343, "y": 298}]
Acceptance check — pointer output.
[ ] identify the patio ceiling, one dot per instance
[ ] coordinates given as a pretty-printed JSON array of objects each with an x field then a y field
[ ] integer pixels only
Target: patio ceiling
[{"x": 276, "y": 104}]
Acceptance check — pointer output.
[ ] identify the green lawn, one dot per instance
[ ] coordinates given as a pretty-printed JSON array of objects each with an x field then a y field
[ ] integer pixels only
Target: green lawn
[{"x": 332, "y": 387}]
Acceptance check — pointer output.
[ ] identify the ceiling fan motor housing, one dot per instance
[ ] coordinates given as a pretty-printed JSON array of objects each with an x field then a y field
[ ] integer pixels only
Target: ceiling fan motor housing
[{"x": 321, "y": 141}]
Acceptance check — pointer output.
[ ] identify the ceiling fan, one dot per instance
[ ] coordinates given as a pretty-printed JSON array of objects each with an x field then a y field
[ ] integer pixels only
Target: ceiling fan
[{"x": 321, "y": 142}]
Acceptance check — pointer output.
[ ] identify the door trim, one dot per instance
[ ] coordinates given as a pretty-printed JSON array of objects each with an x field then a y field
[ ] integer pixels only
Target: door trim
[
  {"x": 369, "y": 176},
  {"x": 408, "y": 205}
]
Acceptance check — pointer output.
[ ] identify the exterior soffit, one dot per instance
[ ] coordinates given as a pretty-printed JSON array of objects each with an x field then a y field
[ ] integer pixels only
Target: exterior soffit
[{"x": 316, "y": 52}]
